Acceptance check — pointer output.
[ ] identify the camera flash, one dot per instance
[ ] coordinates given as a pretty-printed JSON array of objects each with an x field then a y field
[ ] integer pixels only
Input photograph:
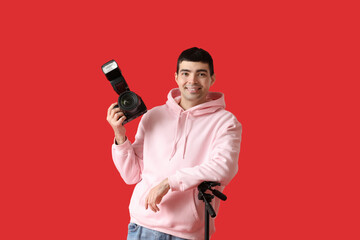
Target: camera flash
[{"x": 108, "y": 67}]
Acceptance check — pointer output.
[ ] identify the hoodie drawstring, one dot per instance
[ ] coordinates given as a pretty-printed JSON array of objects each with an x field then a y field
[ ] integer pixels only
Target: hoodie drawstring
[
  {"x": 175, "y": 139},
  {"x": 187, "y": 131}
]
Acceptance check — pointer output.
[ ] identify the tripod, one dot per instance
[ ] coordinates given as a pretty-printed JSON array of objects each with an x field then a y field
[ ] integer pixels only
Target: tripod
[{"x": 206, "y": 197}]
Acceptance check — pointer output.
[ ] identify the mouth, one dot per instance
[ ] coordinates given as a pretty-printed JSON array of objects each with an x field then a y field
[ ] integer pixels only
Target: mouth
[{"x": 192, "y": 89}]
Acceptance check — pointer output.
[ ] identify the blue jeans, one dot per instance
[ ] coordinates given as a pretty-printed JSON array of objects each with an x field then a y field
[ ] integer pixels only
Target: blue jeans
[{"x": 137, "y": 232}]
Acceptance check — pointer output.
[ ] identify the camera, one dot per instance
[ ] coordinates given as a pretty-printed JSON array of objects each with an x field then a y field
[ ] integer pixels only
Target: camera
[{"x": 129, "y": 102}]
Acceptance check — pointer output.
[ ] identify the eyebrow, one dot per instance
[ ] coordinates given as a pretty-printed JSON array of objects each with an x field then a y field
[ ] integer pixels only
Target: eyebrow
[{"x": 199, "y": 70}]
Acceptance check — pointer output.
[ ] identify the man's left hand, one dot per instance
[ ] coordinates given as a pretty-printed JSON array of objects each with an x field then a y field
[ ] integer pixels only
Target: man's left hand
[{"x": 156, "y": 194}]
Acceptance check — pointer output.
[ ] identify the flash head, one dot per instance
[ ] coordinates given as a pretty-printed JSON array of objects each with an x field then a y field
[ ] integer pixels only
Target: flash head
[{"x": 109, "y": 66}]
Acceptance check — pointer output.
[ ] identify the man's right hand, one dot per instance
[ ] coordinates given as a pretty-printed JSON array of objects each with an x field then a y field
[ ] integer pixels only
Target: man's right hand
[{"x": 116, "y": 117}]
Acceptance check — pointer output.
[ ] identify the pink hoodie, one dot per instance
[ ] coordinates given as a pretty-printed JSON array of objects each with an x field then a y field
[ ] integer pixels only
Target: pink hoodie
[{"x": 187, "y": 147}]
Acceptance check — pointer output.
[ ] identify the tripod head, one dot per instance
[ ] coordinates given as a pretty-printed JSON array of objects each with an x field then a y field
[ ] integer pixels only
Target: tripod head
[
  {"x": 208, "y": 186},
  {"x": 203, "y": 187}
]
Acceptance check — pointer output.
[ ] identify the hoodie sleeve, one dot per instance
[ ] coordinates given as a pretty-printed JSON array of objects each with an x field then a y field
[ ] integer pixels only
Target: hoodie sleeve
[
  {"x": 128, "y": 157},
  {"x": 221, "y": 166}
]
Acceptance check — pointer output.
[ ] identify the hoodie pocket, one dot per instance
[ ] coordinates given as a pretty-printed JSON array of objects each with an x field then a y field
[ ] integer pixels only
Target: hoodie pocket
[
  {"x": 139, "y": 194},
  {"x": 194, "y": 204},
  {"x": 179, "y": 211}
]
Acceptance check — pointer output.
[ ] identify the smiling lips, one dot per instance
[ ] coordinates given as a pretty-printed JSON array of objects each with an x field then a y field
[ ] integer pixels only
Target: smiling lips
[{"x": 192, "y": 89}]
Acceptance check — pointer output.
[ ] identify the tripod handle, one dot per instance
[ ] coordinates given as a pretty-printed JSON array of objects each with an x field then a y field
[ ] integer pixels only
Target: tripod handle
[
  {"x": 207, "y": 199},
  {"x": 219, "y": 194},
  {"x": 210, "y": 209}
]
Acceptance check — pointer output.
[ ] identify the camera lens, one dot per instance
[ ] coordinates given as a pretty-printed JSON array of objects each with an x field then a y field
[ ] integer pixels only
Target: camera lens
[{"x": 128, "y": 101}]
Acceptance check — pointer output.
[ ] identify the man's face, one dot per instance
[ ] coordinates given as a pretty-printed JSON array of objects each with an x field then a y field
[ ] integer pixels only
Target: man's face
[{"x": 194, "y": 81}]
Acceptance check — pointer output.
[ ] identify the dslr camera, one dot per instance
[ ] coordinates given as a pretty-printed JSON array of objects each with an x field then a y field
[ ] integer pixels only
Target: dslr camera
[{"x": 129, "y": 102}]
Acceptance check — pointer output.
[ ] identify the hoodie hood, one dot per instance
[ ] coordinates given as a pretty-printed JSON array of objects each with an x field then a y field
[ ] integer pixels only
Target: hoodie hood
[{"x": 214, "y": 102}]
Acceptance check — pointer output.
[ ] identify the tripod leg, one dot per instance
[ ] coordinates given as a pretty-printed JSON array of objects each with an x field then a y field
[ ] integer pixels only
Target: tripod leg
[{"x": 206, "y": 224}]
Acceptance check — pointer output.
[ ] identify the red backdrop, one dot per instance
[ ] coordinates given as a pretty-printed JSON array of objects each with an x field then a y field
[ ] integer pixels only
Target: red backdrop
[{"x": 289, "y": 71}]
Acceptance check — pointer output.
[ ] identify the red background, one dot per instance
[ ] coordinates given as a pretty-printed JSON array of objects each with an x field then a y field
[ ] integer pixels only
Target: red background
[{"x": 289, "y": 71}]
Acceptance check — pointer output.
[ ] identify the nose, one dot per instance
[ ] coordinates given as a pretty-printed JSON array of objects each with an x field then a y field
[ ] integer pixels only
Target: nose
[{"x": 192, "y": 79}]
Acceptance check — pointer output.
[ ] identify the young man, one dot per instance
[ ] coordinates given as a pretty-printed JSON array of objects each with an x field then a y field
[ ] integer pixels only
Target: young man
[{"x": 190, "y": 139}]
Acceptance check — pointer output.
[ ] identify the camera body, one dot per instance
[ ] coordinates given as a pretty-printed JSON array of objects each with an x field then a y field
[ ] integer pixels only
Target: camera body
[{"x": 129, "y": 102}]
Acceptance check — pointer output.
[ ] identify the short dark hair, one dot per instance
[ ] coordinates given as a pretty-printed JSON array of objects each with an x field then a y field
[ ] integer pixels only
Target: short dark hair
[{"x": 196, "y": 55}]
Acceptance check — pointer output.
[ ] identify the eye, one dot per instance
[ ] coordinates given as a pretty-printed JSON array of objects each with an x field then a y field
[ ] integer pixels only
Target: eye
[
  {"x": 202, "y": 74},
  {"x": 185, "y": 74}
]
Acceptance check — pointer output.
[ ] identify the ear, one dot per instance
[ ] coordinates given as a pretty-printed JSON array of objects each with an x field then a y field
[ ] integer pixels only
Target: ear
[
  {"x": 213, "y": 77},
  {"x": 176, "y": 77}
]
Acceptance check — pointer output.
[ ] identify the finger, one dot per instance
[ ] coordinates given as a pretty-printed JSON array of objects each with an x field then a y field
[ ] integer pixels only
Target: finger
[
  {"x": 153, "y": 207},
  {"x": 122, "y": 119},
  {"x": 156, "y": 208},
  {"x": 113, "y": 112},
  {"x": 111, "y": 107},
  {"x": 149, "y": 203},
  {"x": 116, "y": 114}
]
